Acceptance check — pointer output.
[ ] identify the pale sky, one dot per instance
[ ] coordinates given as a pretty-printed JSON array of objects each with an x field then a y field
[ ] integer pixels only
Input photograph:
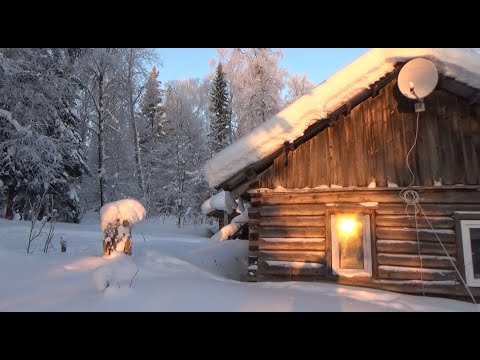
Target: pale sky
[{"x": 317, "y": 63}]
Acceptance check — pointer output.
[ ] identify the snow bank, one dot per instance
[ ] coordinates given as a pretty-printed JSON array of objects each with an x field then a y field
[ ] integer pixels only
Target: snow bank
[
  {"x": 221, "y": 201},
  {"x": 126, "y": 209},
  {"x": 290, "y": 123},
  {"x": 179, "y": 271},
  {"x": 102, "y": 277},
  {"x": 232, "y": 228}
]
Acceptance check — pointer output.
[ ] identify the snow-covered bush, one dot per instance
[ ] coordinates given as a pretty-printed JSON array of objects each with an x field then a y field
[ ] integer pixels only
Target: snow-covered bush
[{"x": 116, "y": 219}]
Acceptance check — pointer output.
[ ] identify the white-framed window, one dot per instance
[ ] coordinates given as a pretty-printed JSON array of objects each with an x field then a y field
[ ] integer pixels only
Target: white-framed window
[
  {"x": 471, "y": 251},
  {"x": 351, "y": 245}
]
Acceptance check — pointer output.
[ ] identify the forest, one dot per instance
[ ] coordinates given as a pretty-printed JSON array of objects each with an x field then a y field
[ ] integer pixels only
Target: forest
[{"x": 81, "y": 127}]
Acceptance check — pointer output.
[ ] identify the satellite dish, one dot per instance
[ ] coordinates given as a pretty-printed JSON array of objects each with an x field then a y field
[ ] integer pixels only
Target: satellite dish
[{"x": 417, "y": 79}]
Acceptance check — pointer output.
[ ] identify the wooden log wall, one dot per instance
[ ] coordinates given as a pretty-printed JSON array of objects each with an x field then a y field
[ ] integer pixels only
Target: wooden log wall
[
  {"x": 372, "y": 143},
  {"x": 289, "y": 237}
]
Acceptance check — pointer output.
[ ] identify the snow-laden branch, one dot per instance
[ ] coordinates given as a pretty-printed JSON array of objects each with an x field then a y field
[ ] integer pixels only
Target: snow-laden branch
[{"x": 8, "y": 115}]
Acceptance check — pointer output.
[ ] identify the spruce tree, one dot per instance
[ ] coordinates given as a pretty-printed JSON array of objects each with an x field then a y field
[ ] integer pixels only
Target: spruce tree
[
  {"x": 40, "y": 147},
  {"x": 221, "y": 115},
  {"x": 152, "y": 136},
  {"x": 152, "y": 102}
]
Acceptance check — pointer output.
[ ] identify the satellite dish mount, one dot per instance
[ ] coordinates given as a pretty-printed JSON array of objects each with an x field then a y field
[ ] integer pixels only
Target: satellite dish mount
[{"x": 417, "y": 79}]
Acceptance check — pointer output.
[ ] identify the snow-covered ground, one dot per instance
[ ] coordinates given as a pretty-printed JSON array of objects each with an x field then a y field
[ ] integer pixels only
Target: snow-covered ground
[{"x": 178, "y": 270}]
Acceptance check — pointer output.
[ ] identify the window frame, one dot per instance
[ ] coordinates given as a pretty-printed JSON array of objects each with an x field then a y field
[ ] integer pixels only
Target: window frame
[
  {"x": 463, "y": 222},
  {"x": 368, "y": 245}
]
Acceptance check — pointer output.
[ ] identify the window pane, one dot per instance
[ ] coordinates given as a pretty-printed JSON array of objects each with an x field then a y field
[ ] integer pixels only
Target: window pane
[
  {"x": 475, "y": 243},
  {"x": 351, "y": 248}
]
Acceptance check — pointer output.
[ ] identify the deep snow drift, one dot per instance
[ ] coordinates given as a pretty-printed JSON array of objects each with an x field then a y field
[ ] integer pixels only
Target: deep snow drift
[{"x": 176, "y": 270}]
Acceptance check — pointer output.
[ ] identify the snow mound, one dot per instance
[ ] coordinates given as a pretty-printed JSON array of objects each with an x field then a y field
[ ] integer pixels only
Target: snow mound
[
  {"x": 126, "y": 209},
  {"x": 102, "y": 277},
  {"x": 221, "y": 201},
  {"x": 232, "y": 228}
]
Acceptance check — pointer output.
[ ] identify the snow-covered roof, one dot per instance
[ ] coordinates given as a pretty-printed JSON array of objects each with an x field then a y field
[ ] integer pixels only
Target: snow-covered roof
[{"x": 289, "y": 124}]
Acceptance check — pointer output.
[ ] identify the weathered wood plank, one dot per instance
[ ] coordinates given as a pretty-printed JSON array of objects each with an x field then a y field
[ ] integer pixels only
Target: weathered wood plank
[
  {"x": 448, "y": 287},
  {"x": 411, "y": 247},
  {"x": 409, "y": 127},
  {"x": 276, "y": 181},
  {"x": 453, "y": 112},
  {"x": 272, "y": 267},
  {"x": 428, "y": 261},
  {"x": 293, "y": 221},
  {"x": 423, "y": 151},
  {"x": 279, "y": 179},
  {"x": 284, "y": 255},
  {"x": 357, "y": 122},
  {"x": 446, "y": 146},
  {"x": 390, "y": 145},
  {"x": 369, "y": 142},
  {"x": 314, "y": 244},
  {"x": 292, "y": 232},
  {"x": 409, "y": 221},
  {"x": 407, "y": 273},
  {"x": 341, "y": 151},
  {"x": 334, "y": 153},
  {"x": 475, "y": 125},
  {"x": 313, "y": 171},
  {"x": 346, "y": 148},
  {"x": 391, "y": 233},
  {"x": 432, "y": 138},
  {"x": 325, "y": 174},
  {"x": 403, "y": 176},
  {"x": 291, "y": 210},
  {"x": 428, "y": 209},
  {"x": 467, "y": 143},
  {"x": 377, "y": 136},
  {"x": 306, "y": 168},
  {"x": 296, "y": 166},
  {"x": 271, "y": 177},
  {"x": 380, "y": 196}
]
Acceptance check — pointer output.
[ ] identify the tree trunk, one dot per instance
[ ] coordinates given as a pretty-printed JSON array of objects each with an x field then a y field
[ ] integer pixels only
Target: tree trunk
[
  {"x": 101, "y": 143},
  {"x": 136, "y": 142},
  {"x": 8, "y": 204}
]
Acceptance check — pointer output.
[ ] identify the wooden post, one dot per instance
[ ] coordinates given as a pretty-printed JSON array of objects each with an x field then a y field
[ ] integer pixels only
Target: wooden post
[
  {"x": 111, "y": 237},
  {"x": 128, "y": 242},
  {"x": 63, "y": 245}
]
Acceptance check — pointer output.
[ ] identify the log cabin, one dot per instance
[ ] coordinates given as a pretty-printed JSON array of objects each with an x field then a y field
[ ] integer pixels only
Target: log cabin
[{"x": 327, "y": 177}]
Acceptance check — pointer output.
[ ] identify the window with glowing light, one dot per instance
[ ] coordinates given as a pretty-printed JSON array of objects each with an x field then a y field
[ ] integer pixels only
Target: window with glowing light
[
  {"x": 351, "y": 245},
  {"x": 470, "y": 233}
]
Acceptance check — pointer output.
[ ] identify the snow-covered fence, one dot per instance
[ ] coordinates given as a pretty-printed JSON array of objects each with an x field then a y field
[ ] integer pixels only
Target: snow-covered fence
[{"x": 117, "y": 218}]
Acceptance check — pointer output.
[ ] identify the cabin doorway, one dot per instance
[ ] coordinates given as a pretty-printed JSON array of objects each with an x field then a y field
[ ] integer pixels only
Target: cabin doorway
[{"x": 351, "y": 245}]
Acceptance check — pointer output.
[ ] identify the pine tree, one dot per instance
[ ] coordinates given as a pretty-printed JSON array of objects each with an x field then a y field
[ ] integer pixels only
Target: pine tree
[{"x": 221, "y": 115}]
